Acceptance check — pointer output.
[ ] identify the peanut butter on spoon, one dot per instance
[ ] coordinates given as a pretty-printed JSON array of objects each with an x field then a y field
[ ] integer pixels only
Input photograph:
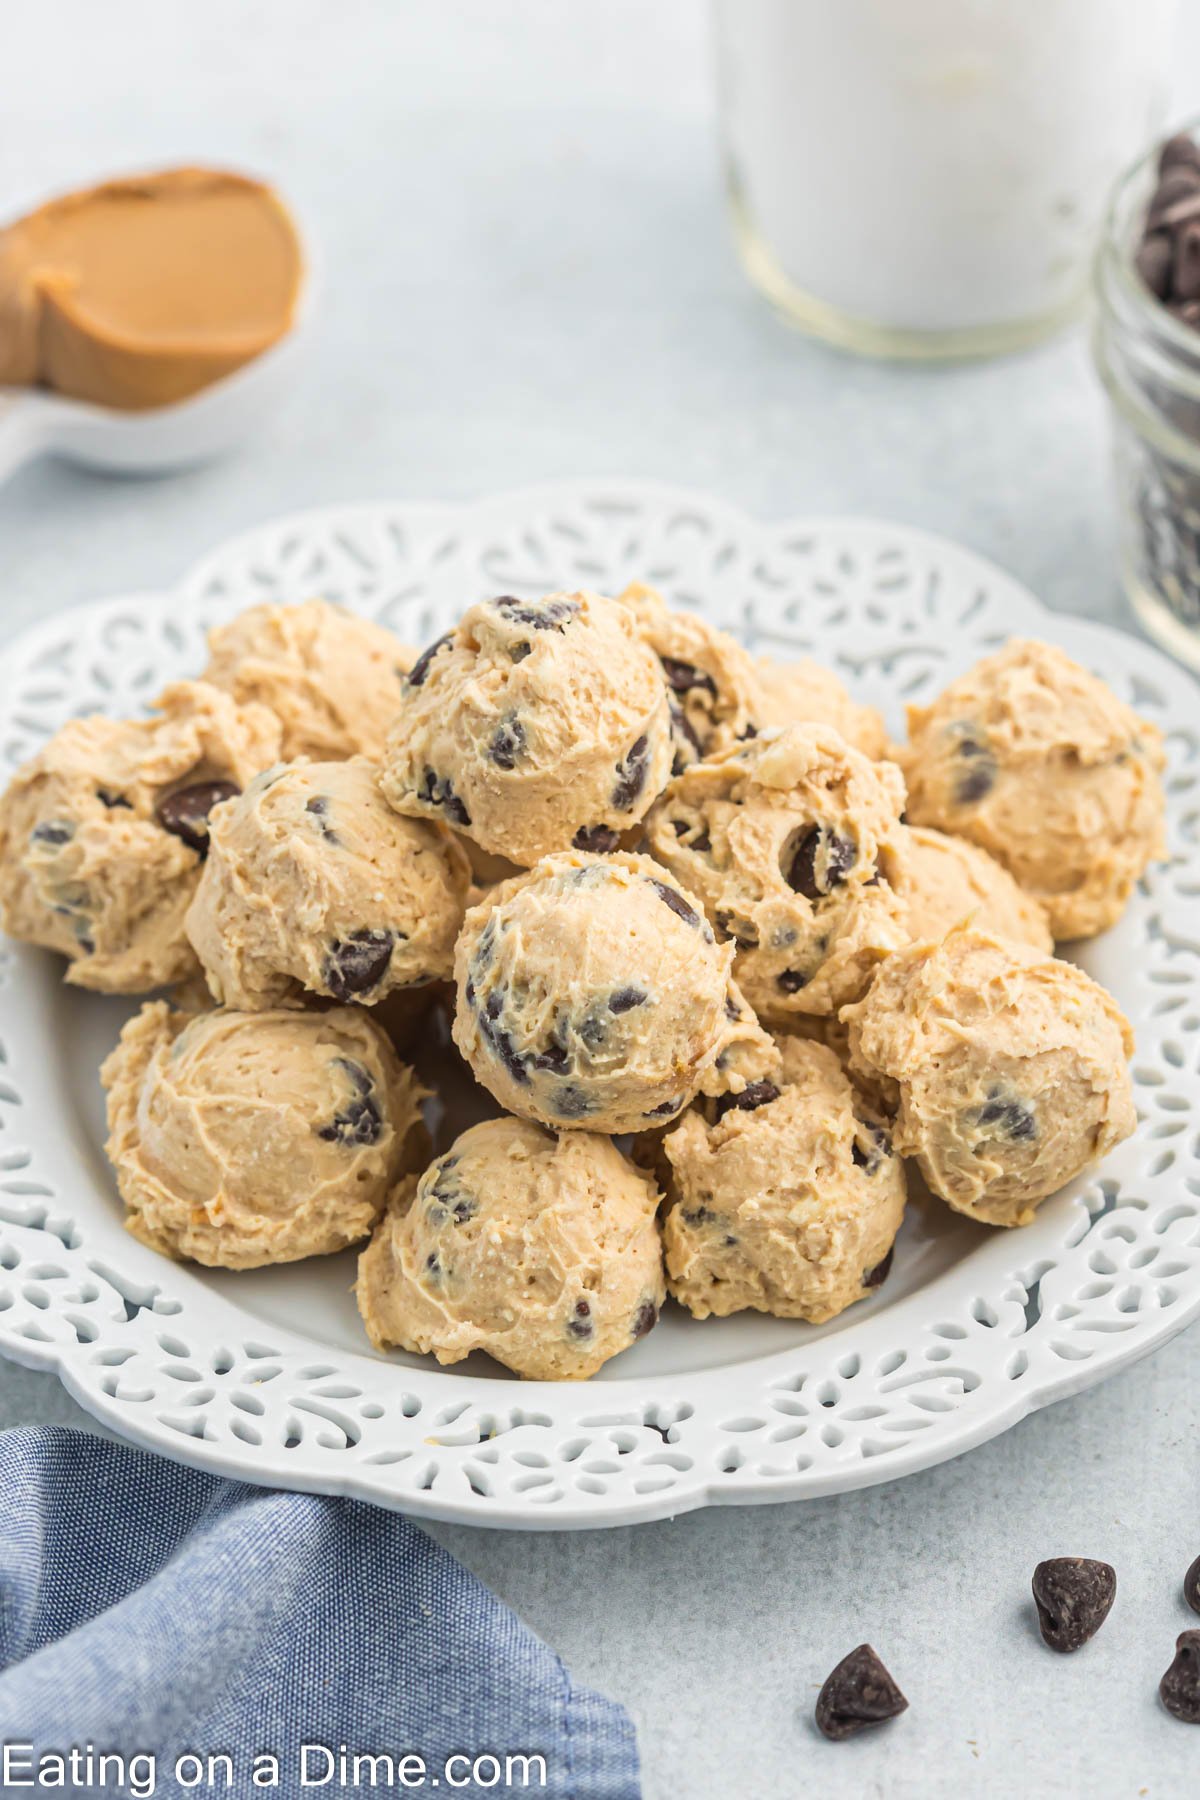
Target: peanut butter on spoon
[{"x": 140, "y": 292}]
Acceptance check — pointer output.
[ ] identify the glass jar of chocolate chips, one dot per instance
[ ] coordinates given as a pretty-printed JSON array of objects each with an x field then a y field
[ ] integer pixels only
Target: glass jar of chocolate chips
[{"x": 1147, "y": 346}]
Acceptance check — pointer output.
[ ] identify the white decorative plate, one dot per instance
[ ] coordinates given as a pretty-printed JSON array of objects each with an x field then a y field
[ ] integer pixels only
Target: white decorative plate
[{"x": 266, "y": 1376}]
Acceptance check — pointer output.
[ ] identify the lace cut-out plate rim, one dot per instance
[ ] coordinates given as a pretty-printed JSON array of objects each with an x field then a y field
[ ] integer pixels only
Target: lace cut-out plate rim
[{"x": 1106, "y": 1272}]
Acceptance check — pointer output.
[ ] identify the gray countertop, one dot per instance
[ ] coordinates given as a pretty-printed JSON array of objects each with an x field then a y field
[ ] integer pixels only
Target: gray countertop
[{"x": 527, "y": 273}]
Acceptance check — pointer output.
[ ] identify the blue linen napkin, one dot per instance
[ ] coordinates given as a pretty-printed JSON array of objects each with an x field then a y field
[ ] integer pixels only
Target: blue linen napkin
[{"x": 153, "y": 1613}]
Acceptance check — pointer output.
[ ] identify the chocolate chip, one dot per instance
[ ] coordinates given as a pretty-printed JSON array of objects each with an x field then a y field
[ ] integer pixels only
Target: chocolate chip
[
  {"x": 499, "y": 1039},
  {"x": 665, "y": 1110},
  {"x": 572, "y": 1102},
  {"x": 555, "y": 1059},
  {"x": 858, "y": 1693},
  {"x": 433, "y": 1265},
  {"x": 682, "y": 728},
  {"x": 1185, "y": 266},
  {"x": 702, "y": 844},
  {"x": 680, "y": 827},
  {"x": 813, "y": 875},
  {"x": 438, "y": 790},
  {"x": 318, "y": 808},
  {"x": 875, "y": 1153},
  {"x": 1073, "y": 1596},
  {"x": 508, "y": 743},
  {"x": 1011, "y": 1116},
  {"x": 579, "y": 1325},
  {"x": 682, "y": 677},
  {"x": 358, "y": 1123},
  {"x": 518, "y": 652},
  {"x": 631, "y": 775},
  {"x": 791, "y": 980},
  {"x": 1191, "y": 1586},
  {"x": 113, "y": 801},
  {"x": 644, "y": 1320},
  {"x": 185, "y": 812},
  {"x": 1179, "y": 1688},
  {"x": 1175, "y": 199},
  {"x": 752, "y": 1096},
  {"x": 53, "y": 832},
  {"x": 355, "y": 964},
  {"x": 597, "y": 840},
  {"x": 551, "y": 614},
  {"x": 420, "y": 669},
  {"x": 1153, "y": 263},
  {"x": 975, "y": 784},
  {"x": 624, "y": 999},
  {"x": 878, "y": 1275},
  {"x": 1179, "y": 151},
  {"x": 674, "y": 899}
]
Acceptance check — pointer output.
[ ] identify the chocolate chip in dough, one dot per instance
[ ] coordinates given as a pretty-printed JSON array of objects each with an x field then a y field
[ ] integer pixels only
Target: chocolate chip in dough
[
  {"x": 803, "y": 875},
  {"x": 508, "y": 743},
  {"x": 185, "y": 812},
  {"x": 791, "y": 980},
  {"x": 631, "y": 775},
  {"x": 858, "y": 1693},
  {"x": 420, "y": 669},
  {"x": 360, "y": 1122},
  {"x": 1073, "y": 1596},
  {"x": 876, "y": 1277},
  {"x": 674, "y": 899},
  {"x": 53, "y": 832},
  {"x": 624, "y": 999},
  {"x": 579, "y": 1325},
  {"x": 596, "y": 840},
  {"x": 1011, "y": 1117},
  {"x": 682, "y": 677},
  {"x": 1191, "y": 1586},
  {"x": 873, "y": 1154},
  {"x": 1179, "y": 1688},
  {"x": 644, "y": 1320},
  {"x": 539, "y": 615},
  {"x": 752, "y": 1096},
  {"x": 113, "y": 801},
  {"x": 357, "y": 963}
]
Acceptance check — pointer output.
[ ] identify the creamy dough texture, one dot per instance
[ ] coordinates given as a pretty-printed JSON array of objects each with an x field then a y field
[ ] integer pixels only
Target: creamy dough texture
[
  {"x": 541, "y": 1248},
  {"x": 592, "y": 993},
  {"x": 950, "y": 881},
  {"x": 333, "y": 680},
  {"x": 786, "y": 1200},
  {"x": 103, "y": 832},
  {"x": 1038, "y": 762},
  {"x": 793, "y": 842},
  {"x": 720, "y": 694},
  {"x": 313, "y": 885},
  {"x": 534, "y": 726},
  {"x": 140, "y": 292},
  {"x": 240, "y": 1139},
  {"x": 1006, "y": 1070}
]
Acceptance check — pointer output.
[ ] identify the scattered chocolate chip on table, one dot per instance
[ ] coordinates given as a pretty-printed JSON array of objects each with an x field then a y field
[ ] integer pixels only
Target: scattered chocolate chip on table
[
  {"x": 1179, "y": 1688},
  {"x": 859, "y": 1693},
  {"x": 1074, "y": 1596}
]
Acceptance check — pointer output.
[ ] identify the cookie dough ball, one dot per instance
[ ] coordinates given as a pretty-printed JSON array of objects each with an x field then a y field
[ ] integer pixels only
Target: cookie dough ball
[
  {"x": 786, "y": 1200},
  {"x": 247, "y": 1138},
  {"x": 333, "y": 680},
  {"x": 793, "y": 842},
  {"x": 721, "y": 695},
  {"x": 592, "y": 993},
  {"x": 314, "y": 885},
  {"x": 540, "y": 1248},
  {"x": 804, "y": 693},
  {"x": 103, "y": 832},
  {"x": 535, "y": 726},
  {"x": 950, "y": 881},
  {"x": 1039, "y": 763},
  {"x": 1007, "y": 1070}
]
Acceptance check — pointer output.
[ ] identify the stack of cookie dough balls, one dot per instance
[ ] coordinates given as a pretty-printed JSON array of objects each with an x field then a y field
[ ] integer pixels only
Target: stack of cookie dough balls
[{"x": 729, "y": 970}]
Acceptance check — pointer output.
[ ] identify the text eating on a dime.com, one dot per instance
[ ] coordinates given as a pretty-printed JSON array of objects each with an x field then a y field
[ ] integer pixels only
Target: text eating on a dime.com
[{"x": 332, "y": 1768}]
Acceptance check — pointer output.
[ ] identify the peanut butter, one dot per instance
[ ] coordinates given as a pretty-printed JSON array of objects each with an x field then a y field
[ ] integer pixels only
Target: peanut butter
[{"x": 140, "y": 292}]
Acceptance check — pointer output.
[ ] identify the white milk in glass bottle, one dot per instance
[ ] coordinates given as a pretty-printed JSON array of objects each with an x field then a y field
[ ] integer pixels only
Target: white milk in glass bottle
[{"x": 928, "y": 177}]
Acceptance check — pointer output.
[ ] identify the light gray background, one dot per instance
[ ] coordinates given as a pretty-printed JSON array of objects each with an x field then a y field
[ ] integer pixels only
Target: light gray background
[{"x": 527, "y": 273}]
